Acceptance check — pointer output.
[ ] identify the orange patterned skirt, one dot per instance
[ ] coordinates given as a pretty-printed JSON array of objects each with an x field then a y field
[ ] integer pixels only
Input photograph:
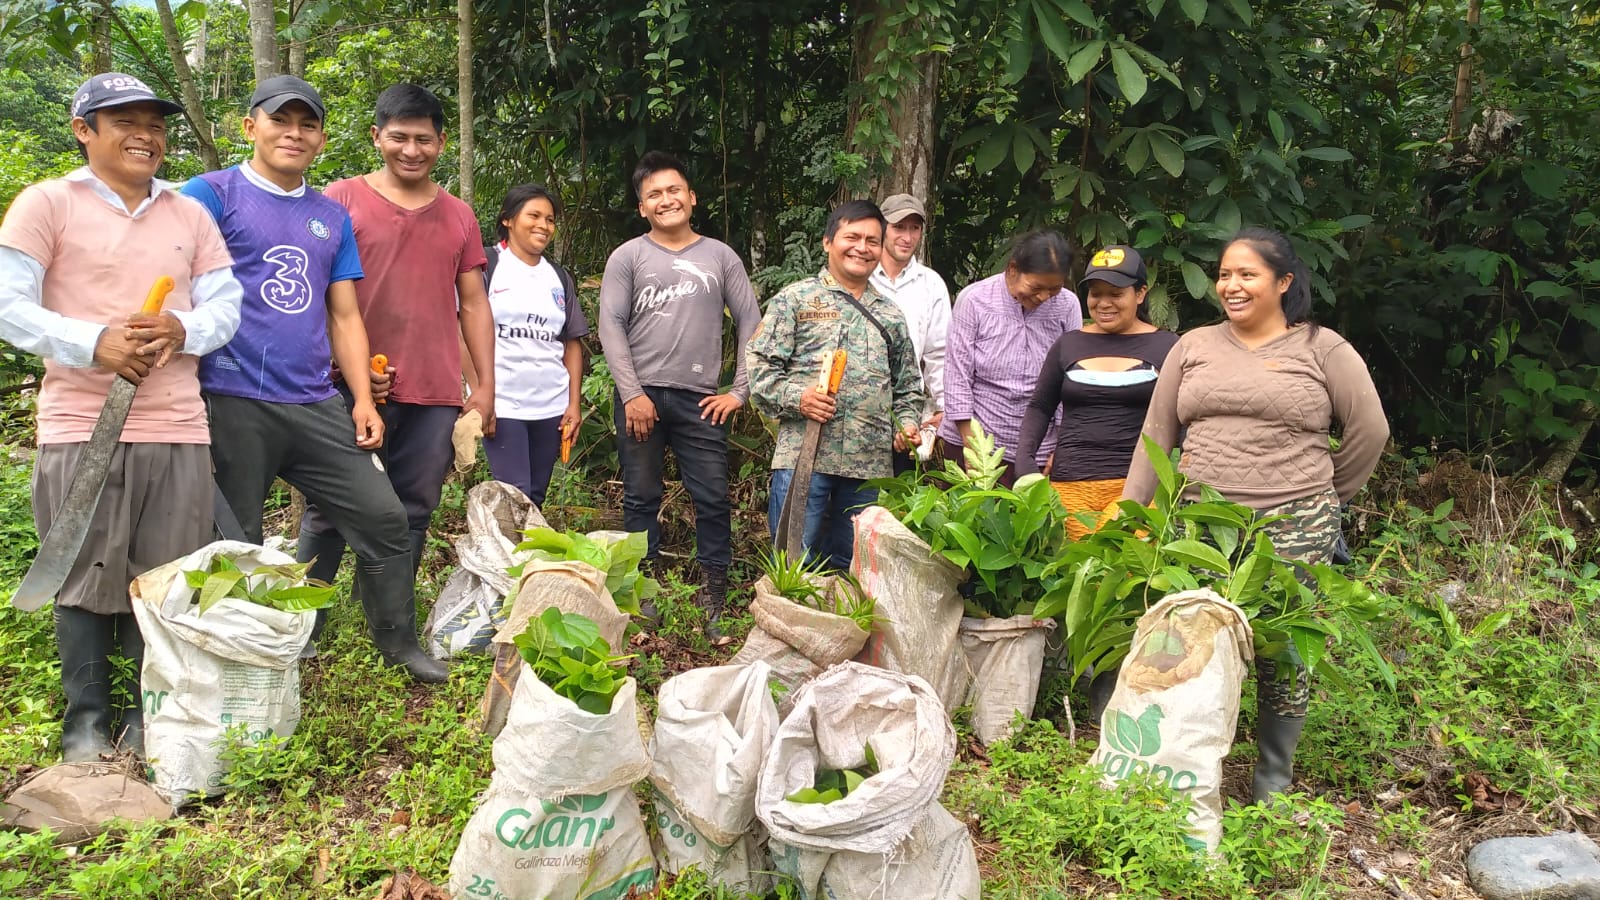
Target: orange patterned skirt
[{"x": 1087, "y": 497}]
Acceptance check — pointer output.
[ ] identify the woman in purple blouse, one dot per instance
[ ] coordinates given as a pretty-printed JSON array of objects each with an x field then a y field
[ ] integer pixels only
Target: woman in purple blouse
[{"x": 1001, "y": 331}]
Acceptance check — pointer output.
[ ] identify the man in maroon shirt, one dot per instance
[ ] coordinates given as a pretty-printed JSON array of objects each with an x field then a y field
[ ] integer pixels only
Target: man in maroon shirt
[{"x": 421, "y": 249}]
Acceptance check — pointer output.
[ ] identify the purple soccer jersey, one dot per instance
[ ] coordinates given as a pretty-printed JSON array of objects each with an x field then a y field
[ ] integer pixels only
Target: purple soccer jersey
[{"x": 286, "y": 252}]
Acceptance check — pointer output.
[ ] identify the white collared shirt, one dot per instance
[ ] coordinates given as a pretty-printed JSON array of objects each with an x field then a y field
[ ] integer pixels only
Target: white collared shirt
[
  {"x": 216, "y": 297},
  {"x": 924, "y": 300}
]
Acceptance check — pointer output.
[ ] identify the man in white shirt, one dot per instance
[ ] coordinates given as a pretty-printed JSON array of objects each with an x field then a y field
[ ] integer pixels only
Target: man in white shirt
[{"x": 921, "y": 295}]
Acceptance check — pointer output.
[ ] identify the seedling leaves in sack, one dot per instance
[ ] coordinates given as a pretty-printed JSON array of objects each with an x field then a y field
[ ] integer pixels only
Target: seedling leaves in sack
[
  {"x": 283, "y": 587},
  {"x": 619, "y": 560},
  {"x": 567, "y": 652}
]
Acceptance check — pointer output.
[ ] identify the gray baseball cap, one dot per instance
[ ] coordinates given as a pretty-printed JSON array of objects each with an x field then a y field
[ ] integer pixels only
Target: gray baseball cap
[{"x": 116, "y": 89}]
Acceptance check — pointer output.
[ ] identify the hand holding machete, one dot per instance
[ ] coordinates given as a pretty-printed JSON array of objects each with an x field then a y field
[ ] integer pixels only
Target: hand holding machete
[{"x": 60, "y": 545}]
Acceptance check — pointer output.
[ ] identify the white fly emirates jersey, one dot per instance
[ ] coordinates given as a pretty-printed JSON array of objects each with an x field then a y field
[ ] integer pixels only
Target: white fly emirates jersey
[{"x": 533, "y": 316}]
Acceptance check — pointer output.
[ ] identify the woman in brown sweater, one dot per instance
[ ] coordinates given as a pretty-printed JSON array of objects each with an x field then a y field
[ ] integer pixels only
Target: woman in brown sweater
[{"x": 1254, "y": 398}]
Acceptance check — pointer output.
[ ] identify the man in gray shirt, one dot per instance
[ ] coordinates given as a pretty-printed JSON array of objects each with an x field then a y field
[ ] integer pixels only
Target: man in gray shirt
[{"x": 660, "y": 322}]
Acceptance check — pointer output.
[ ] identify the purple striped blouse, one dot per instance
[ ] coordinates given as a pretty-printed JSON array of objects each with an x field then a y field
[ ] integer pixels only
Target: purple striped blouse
[{"x": 993, "y": 359}]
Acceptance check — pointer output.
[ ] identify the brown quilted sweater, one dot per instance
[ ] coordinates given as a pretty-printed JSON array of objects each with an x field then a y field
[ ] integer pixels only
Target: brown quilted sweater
[{"x": 1258, "y": 419}]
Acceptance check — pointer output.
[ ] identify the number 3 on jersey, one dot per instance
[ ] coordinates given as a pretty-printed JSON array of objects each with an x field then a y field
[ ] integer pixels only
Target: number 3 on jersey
[{"x": 288, "y": 290}]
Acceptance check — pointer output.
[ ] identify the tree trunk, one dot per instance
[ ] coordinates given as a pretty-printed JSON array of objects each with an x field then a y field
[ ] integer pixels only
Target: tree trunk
[
  {"x": 910, "y": 110},
  {"x": 297, "y": 59},
  {"x": 464, "y": 143},
  {"x": 1458, "y": 104},
  {"x": 263, "y": 38},
  {"x": 100, "y": 39},
  {"x": 193, "y": 109}
]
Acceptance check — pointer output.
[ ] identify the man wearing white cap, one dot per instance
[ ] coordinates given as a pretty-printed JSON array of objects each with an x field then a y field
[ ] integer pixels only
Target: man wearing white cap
[{"x": 921, "y": 295}]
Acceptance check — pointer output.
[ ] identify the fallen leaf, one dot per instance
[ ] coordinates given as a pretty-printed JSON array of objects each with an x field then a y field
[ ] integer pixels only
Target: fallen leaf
[{"x": 401, "y": 817}]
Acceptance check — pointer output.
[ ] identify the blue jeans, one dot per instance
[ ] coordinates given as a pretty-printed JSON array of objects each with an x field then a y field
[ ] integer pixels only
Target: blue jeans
[
  {"x": 523, "y": 453},
  {"x": 702, "y": 451},
  {"x": 830, "y": 513}
]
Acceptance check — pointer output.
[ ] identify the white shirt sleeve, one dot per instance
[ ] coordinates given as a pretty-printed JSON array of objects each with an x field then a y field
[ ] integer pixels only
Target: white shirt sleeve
[
  {"x": 935, "y": 335},
  {"x": 28, "y": 326},
  {"x": 218, "y": 300}
]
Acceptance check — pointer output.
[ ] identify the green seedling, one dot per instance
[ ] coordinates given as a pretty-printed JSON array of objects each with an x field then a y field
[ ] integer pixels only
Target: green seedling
[
  {"x": 283, "y": 587},
  {"x": 806, "y": 581},
  {"x": 836, "y": 784},
  {"x": 567, "y": 652},
  {"x": 618, "y": 559}
]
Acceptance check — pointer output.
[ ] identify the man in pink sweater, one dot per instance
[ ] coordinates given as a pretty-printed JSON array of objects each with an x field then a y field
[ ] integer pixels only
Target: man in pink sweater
[{"x": 77, "y": 254}]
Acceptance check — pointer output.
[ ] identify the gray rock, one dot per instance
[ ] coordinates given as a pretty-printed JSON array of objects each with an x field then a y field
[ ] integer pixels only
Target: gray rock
[{"x": 1562, "y": 866}]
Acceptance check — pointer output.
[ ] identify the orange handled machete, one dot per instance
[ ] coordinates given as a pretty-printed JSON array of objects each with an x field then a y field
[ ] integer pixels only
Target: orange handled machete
[{"x": 791, "y": 530}]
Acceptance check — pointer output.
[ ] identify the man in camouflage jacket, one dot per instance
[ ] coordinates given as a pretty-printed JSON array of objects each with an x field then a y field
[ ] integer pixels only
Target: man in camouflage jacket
[{"x": 879, "y": 400}]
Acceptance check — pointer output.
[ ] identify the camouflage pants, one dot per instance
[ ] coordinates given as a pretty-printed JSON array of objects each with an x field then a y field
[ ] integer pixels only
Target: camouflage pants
[{"x": 1308, "y": 536}]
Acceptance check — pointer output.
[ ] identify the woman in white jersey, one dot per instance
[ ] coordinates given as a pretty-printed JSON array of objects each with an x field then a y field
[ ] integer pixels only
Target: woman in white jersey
[{"x": 538, "y": 358}]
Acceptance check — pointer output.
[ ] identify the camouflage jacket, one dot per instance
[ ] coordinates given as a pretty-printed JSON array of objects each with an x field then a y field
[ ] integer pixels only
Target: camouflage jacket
[{"x": 881, "y": 385}]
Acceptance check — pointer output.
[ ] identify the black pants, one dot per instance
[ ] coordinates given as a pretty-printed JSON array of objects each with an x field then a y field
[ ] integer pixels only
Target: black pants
[
  {"x": 702, "y": 451},
  {"x": 523, "y": 453},
  {"x": 312, "y": 446},
  {"x": 416, "y": 457}
]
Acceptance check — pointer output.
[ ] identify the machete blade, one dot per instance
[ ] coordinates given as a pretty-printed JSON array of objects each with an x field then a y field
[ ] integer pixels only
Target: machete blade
[{"x": 58, "y": 550}]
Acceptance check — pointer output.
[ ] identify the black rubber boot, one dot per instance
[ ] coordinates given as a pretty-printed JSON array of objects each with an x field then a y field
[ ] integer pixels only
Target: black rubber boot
[
  {"x": 326, "y": 548},
  {"x": 650, "y": 567},
  {"x": 130, "y": 723},
  {"x": 84, "y": 641},
  {"x": 714, "y": 598},
  {"x": 419, "y": 543},
  {"x": 388, "y": 595},
  {"x": 1276, "y": 739},
  {"x": 309, "y": 651},
  {"x": 1100, "y": 689}
]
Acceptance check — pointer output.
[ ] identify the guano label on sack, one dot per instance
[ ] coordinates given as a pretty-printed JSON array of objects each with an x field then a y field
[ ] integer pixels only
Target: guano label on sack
[{"x": 1136, "y": 738}]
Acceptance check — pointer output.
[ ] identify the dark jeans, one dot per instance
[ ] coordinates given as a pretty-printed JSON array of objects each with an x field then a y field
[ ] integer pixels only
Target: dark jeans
[
  {"x": 830, "y": 513},
  {"x": 702, "y": 451},
  {"x": 523, "y": 453},
  {"x": 416, "y": 455},
  {"x": 311, "y": 446}
]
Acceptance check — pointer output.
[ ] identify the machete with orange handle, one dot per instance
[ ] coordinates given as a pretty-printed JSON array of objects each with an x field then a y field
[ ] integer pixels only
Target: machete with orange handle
[
  {"x": 58, "y": 550},
  {"x": 790, "y": 536},
  {"x": 380, "y": 365},
  {"x": 568, "y": 436}
]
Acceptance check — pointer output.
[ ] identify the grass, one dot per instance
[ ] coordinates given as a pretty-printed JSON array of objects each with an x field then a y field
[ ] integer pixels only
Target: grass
[{"x": 1491, "y": 731}]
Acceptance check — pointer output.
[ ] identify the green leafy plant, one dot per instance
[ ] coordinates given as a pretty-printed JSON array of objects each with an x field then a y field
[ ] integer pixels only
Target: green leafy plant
[
  {"x": 808, "y": 582},
  {"x": 1101, "y": 584},
  {"x": 567, "y": 652},
  {"x": 283, "y": 587},
  {"x": 618, "y": 559},
  {"x": 1004, "y": 537},
  {"x": 836, "y": 784}
]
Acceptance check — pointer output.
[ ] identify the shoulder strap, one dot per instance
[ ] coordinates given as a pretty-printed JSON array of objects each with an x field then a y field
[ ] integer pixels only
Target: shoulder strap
[
  {"x": 567, "y": 283},
  {"x": 861, "y": 308},
  {"x": 492, "y": 252}
]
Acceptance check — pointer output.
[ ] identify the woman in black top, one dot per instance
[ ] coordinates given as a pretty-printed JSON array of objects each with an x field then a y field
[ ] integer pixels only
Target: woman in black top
[{"x": 1101, "y": 379}]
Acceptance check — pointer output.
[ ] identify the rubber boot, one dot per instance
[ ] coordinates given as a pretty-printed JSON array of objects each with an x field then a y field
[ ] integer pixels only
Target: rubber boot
[
  {"x": 326, "y": 548},
  {"x": 1100, "y": 689},
  {"x": 309, "y": 651},
  {"x": 84, "y": 641},
  {"x": 388, "y": 595},
  {"x": 714, "y": 598},
  {"x": 650, "y": 567},
  {"x": 1276, "y": 739},
  {"x": 419, "y": 543},
  {"x": 130, "y": 724}
]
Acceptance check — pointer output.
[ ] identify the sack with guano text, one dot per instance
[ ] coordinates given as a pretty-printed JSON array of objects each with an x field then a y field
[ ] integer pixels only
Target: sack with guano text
[
  {"x": 1176, "y": 703},
  {"x": 713, "y": 729},
  {"x": 231, "y": 674},
  {"x": 559, "y": 820}
]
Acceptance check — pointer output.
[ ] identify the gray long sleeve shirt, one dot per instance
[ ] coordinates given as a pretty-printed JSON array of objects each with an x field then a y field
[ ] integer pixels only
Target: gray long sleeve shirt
[{"x": 661, "y": 316}]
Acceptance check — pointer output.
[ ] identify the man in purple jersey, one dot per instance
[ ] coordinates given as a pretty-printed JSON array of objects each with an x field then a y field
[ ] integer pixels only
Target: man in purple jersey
[{"x": 274, "y": 410}]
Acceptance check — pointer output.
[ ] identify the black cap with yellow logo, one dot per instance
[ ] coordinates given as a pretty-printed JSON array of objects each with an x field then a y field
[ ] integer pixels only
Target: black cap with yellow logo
[{"x": 1118, "y": 265}]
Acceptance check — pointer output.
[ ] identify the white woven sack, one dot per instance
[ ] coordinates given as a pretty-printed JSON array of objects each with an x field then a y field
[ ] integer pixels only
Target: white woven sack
[
  {"x": 1176, "y": 703},
  {"x": 236, "y": 666},
  {"x": 935, "y": 862},
  {"x": 1006, "y": 656}
]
